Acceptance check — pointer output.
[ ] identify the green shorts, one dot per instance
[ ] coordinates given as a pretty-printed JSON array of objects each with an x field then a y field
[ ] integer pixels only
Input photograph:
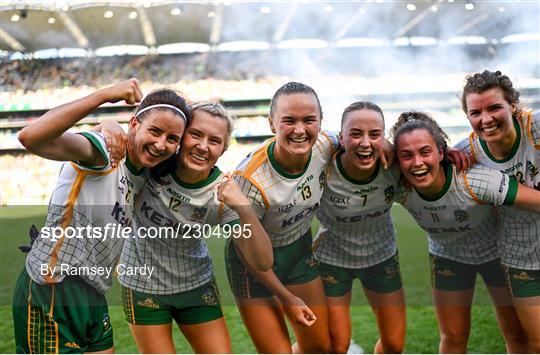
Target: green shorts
[
  {"x": 384, "y": 277},
  {"x": 196, "y": 306},
  {"x": 523, "y": 283},
  {"x": 293, "y": 264},
  {"x": 450, "y": 275},
  {"x": 67, "y": 317}
]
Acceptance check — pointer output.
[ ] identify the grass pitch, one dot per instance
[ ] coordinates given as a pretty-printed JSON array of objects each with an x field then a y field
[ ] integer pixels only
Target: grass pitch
[{"x": 422, "y": 332}]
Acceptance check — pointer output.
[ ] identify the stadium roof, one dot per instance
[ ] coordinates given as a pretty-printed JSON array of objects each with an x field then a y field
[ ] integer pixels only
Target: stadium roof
[{"x": 175, "y": 26}]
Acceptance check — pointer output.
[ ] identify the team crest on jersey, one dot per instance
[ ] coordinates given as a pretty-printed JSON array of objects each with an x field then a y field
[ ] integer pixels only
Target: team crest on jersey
[
  {"x": 322, "y": 180},
  {"x": 389, "y": 194},
  {"x": 106, "y": 322},
  {"x": 198, "y": 214},
  {"x": 461, "y": 216}
]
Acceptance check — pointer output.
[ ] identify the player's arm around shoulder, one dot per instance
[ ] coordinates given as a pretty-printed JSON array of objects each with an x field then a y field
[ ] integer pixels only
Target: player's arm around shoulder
[
  {"x": 494, "y": 187},
  {"x": 48, "y": 136},
  {"x": 253, "y": 242}
]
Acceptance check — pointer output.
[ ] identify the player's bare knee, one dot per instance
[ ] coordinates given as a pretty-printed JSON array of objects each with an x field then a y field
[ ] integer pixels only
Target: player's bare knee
[
  {"x": 516, "y": 337},
  {"x": 457, "y": 341},
  {"x": 340, "y": 347},
  {"x": 393, "y": 346},
  {"x": 321, "y": 347}
]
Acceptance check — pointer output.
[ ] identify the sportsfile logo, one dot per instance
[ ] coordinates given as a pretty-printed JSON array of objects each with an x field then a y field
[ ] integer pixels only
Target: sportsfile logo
[{"x": 116, "y": 231}]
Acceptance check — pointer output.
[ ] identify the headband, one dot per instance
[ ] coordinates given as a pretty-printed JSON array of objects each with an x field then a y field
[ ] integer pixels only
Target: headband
[{"x": 174, "y": 108}]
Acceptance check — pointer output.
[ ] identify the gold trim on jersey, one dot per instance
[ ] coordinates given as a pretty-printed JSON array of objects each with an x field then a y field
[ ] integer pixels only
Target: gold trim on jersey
[
  {"x": 470, "y": 190},
  {"x": 258, "y": 158},
  {"x": 66, "y": 220},
  {"x": 528, "y": 126},
  {"x": 472, "y": 138}
]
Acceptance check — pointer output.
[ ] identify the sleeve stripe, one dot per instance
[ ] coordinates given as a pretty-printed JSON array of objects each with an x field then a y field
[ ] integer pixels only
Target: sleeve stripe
[
  {"x": 66, "y": 221},
  {"x": 512, "y": 192},
  {"x": 261, "y": 190},
  {"x": 258, "y": 158},
  {"x": 96, "y": 143},
  {"x": 529, "y": 130},
  {"x": 470, "y": 190},
  {"x": 91, "y": 172},
  {"x": 471, "y": 143}
]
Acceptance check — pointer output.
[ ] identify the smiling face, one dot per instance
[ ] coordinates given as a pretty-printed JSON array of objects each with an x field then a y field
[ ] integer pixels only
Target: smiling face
[
  {"x": 203, "y": 143},
  {"x": 296, "y": 123},
  {"x": 155, "y": 138},
  {"x": 420, "y": 161},
  {"x": 362, "y": 137},
  {"x": 490, "y": 115}
]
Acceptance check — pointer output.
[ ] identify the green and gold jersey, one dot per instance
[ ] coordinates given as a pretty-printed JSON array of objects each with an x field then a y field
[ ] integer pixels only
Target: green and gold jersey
[
  {"x": 172, "y": 221},
  {"x": 285, "y": 203},
  {"x": 460, "y": 220},
  {"x": 356, "y": 226},
  {"x": 519, "y": 241},
  {"x": 95, "y": 200}
]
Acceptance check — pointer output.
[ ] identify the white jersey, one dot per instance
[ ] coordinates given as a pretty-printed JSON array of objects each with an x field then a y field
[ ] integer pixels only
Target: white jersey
[
  {"x": 460, "y": 220},
  {"x": 519, "y": 241},
  {"x": 179, "y": 258},
  {"x": 285, "y": 203},
  {"x": 86, "y": 197},
  {"x": 356, "y": 226}
]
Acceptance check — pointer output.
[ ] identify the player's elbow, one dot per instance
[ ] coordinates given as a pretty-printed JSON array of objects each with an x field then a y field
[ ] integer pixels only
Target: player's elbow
[
  {"x": 25, "y": 137},
  {"x": 265, "y": 262}
]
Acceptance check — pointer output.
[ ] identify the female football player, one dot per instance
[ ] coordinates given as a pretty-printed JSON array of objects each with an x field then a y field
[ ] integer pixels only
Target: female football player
[
  {"x": 356, "y": 238},
  {"x": 456, "y": 211},
  {"x": 190, "y": 199},
  {"x": 59, "y": 303},
  {"x": 284, "y": 179},
  {"x": 506, "y": 137}
]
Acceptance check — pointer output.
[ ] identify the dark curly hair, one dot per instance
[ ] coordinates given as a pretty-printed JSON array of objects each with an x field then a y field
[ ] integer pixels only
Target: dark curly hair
[
  {"x": 412, "y": 120},
  {"x": 480, "y": 82}
]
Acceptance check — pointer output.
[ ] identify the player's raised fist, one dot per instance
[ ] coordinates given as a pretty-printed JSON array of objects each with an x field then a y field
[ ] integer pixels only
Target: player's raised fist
[{"x": 128, "y": 90}]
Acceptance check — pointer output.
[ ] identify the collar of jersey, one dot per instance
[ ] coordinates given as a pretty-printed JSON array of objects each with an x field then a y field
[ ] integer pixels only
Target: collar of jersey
[
  {"x": 448, "y": 174},
  {"x": 279, "y": 168},
  {"x": 514, "y": 147},
  {"x": 132, "y": 167},
  {"x": 214, "y": 173},
  {"x": 349, "y": 178}
]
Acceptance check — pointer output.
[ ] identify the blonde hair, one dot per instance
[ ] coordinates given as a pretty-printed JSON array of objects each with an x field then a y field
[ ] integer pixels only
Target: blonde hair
[{"x": 217, "y": 110}]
